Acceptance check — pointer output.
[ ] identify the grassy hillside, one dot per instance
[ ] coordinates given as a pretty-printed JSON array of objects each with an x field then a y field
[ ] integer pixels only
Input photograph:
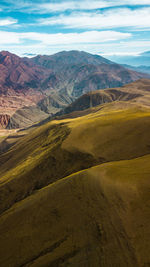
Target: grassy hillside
[
  {"x": 97, "y": 217},
  {"x": 75, "y": 191},
  {"x": 111, "y": 134}
]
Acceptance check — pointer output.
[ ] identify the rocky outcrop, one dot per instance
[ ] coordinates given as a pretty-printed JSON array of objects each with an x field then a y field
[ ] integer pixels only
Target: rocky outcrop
[{"x": 4, "y": 120}]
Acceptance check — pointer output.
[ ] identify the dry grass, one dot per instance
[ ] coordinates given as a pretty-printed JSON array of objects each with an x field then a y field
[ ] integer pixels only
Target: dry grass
[
  {"x": 62, "y": 205},
  {"x": 97, "y": 217}
]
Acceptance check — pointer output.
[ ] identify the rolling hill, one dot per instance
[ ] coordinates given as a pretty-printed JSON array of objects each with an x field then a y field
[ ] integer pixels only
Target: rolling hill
[
  {"x": 136, "y": 92},
  {"x": 75, "y": 191},
  {"x": 58, "y": 104},
  {"x": 84, "y": 219}
]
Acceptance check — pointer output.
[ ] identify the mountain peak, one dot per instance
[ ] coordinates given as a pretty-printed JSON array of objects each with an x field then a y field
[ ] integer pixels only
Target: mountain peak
[
  {"x": 7, "y": 53},
  {"x": 73, "y": 57},
  {"x": 8, "y": 59}
]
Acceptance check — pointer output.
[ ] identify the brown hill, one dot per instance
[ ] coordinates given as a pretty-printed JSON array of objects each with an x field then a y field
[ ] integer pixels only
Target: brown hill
[{"x": 136, "y": 92}]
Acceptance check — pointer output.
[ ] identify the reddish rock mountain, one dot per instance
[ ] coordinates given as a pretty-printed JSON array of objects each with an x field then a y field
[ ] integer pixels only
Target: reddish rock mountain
[
  {"x": 19, "y": 83},
  {"x": 18, "y": 74}
]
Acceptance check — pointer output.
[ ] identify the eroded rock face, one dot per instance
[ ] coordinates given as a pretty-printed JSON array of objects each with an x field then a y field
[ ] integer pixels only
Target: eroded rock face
[
  {"x": 4, "y": 120},
  {"x": 18, "y": 74}
]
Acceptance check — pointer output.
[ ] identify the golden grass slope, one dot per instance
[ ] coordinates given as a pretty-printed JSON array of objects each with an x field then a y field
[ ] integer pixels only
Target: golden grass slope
[
  {"x": 63, "y": 147},
  {"x": 75, "y": 192},
  {"x": 141, "y": 87},
  {"x": 97, "y": 217},
  {"x": 111, "y": 132}
]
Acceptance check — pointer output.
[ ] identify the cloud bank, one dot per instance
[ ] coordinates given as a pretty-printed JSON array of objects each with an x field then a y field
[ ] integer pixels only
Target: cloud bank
[
  {"x": 60, "y": 38},
  {"x": 115, "y": 18}
]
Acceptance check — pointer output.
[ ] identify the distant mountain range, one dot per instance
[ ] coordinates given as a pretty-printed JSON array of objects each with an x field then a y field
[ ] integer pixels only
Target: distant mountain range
[
  {"x": 144, "y": 69},
  {"x": 142, "y": 60},
  {"x": 41, "y": 86}
]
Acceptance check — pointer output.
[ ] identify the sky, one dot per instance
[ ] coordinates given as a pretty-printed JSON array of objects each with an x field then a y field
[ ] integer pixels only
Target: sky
[{"x": 106, "y": 27}]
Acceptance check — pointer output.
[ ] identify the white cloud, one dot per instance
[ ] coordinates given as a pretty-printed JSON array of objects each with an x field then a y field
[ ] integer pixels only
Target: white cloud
[
  {"x": 134, "y": 2},
  {"x": 136, "y": 43},
  {"x": 61, "y": 6},
  {"x": 127, "y": 48},
  {"x": 47, "y": 7},
  {"x": 9, "y": 38},
  {"x": 61, "y": 38},
  {"x": 76, "y": 38},
  {"x": 121, "y": 54},
  {"x": 32, "y": 7},
  {"x": 7, "y": 21},
  {"x": 86, "y": 5},
  {"x": 106, "y": 48},
  {"x": 74, "y": 5},
  {"x": 124, "y": 17}
]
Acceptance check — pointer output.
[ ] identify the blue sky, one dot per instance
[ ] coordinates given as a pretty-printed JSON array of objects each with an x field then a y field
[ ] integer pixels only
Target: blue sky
[{"x": 105, "y": 27}]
